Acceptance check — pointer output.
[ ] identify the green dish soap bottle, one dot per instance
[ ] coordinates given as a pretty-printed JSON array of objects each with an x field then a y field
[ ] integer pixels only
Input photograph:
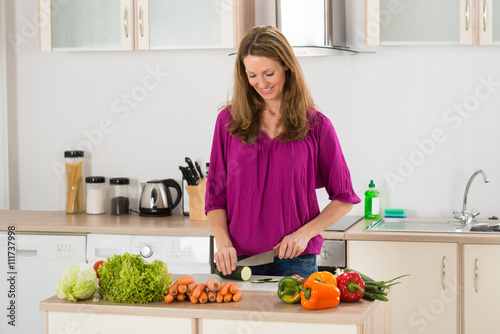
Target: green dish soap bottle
[{"x": 372, "y": 202}]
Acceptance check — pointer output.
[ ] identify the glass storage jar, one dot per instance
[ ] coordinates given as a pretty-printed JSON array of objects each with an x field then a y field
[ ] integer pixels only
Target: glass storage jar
[
  {"x": 96, "y": 195},
  {"x": 74, "y": 181},
  {"x": 120, "y": 201}
]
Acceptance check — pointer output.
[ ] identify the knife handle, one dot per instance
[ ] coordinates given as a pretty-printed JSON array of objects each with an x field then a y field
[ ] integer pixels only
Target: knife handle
[
  {"x": 191, "y": 177},
  {"x": 191, "y": 167},
  {"x": 184, "y": 175},
  {"x": 198, "y": 168}
]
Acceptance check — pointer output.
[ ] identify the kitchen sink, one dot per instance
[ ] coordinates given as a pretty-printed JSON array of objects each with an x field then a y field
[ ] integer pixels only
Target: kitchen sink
[
  {"x": 432, "y": 225},
  {"x": 485, "y": 227}
]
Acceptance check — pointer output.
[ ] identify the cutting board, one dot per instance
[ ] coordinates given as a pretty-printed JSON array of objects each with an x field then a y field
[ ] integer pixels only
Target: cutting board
[{"x": 243, "y": 285}]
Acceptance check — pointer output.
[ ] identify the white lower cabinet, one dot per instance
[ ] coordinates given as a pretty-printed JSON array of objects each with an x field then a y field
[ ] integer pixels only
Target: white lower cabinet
[
  {"x": 65, "y": 322},
  {"x": 427, "y": 300},
  {"x": 481, "y": 296},
  {"x": 260, "y": 326}
]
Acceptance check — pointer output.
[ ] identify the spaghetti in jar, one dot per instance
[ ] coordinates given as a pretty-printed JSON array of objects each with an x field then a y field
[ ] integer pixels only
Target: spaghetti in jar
[{"x": 74, "y": 181}]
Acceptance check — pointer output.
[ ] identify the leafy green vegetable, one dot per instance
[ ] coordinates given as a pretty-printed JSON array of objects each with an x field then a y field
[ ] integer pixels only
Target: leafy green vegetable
[
  {"x": 78, "y": 281},
  {"x": 128, "y": 278}
]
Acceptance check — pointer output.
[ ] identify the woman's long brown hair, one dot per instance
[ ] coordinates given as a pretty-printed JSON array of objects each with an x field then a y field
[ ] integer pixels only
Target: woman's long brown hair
[{"x": 246, "y": 105}]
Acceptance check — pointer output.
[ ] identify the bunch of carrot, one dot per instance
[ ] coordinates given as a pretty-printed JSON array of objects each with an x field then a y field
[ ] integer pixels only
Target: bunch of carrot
[{"x": 211, "y": 291}]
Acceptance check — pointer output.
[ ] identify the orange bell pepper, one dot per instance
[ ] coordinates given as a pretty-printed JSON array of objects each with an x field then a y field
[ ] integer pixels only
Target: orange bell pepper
[
  {"x": 324, "y": 276},
  {"x": 320, "y": 291}
]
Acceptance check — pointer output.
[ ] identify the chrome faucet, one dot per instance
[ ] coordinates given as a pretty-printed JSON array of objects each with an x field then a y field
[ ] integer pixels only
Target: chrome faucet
[{"x": 466, "y": 217}]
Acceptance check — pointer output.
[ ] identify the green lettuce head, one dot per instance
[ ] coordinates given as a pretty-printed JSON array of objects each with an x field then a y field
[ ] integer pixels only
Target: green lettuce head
[
  {"x": 128, "y": 278},
  {"x": 78, "y": 281}
]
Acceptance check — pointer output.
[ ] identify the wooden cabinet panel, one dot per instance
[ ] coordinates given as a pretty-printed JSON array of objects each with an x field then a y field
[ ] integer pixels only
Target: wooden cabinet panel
[
  {"x": 481, "y": 297},
  {"x": 427, "y": 300},
  {"x": 65, "y": 322},
  {"x": 258, "y": 325}
]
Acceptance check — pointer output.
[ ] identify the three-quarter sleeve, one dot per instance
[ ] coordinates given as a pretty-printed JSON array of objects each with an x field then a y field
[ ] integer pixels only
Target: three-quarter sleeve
[
  {"x": 215, "y": 196},
  {"x": 333, "y": 173}
]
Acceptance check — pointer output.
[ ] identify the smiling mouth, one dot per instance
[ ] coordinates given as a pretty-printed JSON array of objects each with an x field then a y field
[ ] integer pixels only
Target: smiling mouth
[{"x": 267, "y": 90}]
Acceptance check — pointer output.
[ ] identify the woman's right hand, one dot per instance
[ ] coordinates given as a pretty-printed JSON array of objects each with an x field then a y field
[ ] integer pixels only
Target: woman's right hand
[{"x": 225, "y": 259}]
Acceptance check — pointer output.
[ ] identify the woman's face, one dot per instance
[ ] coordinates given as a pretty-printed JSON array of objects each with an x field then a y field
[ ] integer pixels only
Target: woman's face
[{"x": 267, "y": 76}]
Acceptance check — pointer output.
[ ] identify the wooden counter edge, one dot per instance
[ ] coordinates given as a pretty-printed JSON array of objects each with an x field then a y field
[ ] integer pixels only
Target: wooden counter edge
[
  {"x": 60, "y": 222},
  {"x": 265, "y": 304}
]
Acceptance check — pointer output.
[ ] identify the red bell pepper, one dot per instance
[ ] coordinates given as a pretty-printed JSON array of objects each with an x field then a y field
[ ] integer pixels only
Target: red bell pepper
[
  {"x": 351, "y": 287},
  {"x": 302, "y": 280}
]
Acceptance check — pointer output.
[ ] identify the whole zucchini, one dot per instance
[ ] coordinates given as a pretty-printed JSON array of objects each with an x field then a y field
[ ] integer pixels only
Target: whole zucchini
[{"x": 239, "y": 274}]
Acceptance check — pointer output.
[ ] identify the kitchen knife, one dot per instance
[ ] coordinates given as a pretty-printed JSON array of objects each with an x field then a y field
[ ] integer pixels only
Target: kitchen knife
[
  {"x": 259, "y": 259},
  {"x": 192, "y": 168},
  {"x": 198, "y": 168},
  {"x": 184, "y": 175},
  {"x": 191, "y": 178}
]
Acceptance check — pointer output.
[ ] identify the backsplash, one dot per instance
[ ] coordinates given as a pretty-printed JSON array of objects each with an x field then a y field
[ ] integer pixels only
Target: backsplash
[{"x": 416, "y": 120}]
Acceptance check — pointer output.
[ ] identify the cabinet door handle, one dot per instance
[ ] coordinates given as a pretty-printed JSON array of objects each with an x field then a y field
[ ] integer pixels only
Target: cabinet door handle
[
  {"x": 476, "y": 276},
  {"x": 328, "y": 10},
  {"x": 141, "y": 28},
  {"x": 443, "y": 274},
  {"x": 278, "y": 14},
  {"x": 125, "y": 21},
  {"x": 467, "y": 15},
  {"x": 485, "y": 15}
]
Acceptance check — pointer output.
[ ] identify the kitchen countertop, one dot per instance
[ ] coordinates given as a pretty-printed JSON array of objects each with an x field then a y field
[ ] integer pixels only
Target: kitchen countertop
[
  {"x": 356, "y": 232},
  {"x": 60, "y": 222}
]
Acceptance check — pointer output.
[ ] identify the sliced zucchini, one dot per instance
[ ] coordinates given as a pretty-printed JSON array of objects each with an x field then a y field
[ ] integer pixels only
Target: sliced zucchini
[
  {"x": 266, "y": 280},
  {"x": 240, "y": 274}
]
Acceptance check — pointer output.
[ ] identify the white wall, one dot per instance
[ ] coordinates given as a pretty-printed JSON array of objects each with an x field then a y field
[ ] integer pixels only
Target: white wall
[{"x": 385, "y": 107}]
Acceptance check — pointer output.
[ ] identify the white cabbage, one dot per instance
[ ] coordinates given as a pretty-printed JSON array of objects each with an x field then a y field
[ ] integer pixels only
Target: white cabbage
[{"x": 78, "y": 281}]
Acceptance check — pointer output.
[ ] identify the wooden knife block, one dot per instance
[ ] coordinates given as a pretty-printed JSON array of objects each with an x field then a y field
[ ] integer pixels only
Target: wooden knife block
[{"x": 197, "y": 200}]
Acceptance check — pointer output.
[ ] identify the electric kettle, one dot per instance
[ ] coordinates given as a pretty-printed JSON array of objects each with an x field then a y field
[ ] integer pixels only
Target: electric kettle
[{"x": 156, "y": 200}]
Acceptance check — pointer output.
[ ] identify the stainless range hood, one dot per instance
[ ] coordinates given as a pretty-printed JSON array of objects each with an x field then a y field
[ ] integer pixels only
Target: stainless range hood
[{"x": 313, "y": 27}]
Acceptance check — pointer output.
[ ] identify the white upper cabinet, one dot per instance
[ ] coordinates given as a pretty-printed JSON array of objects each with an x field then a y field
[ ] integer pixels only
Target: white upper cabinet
[
  {"x": 430, "y": 22},
  {"x": 143, "y": 24},
  {"x": 209, "y": 24},
  {"x": 87, "y": 25}
]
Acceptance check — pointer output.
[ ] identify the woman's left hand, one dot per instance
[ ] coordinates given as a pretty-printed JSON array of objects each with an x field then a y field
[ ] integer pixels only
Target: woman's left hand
[{"x": 292, "y": 245}]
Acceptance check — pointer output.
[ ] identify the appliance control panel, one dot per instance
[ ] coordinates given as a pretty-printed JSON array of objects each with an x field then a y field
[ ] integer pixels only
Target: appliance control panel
[
  {"x": 333, "y": 254},
  {"x": 148, "y": 247},
  {"x": 182, "y": 254},
  {"x": 64, "y": 250},
  {"x": 47, "y": 247},
  {"x": 186, "y": 249}
]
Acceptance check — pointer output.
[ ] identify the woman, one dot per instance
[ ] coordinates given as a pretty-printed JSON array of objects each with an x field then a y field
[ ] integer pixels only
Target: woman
[{"x": 271, "y": 150}]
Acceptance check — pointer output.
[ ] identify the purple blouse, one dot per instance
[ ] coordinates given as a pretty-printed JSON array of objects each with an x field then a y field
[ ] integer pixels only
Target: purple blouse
[{"x": 268, "y": 188}]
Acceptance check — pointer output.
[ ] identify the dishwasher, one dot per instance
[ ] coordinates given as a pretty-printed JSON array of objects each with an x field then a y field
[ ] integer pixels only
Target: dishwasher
[{"x": 36, "y": 268}]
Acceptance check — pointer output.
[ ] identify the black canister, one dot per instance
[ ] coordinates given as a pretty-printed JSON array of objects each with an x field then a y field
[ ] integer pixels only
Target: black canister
[{"x": 119, "y": 190}]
